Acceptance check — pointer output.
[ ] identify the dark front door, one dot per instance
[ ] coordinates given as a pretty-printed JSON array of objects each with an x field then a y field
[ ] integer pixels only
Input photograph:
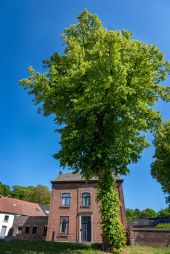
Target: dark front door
[{"x": 86, "y": 228}]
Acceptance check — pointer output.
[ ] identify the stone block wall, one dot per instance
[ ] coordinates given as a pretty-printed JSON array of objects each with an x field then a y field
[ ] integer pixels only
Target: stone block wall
[{"x": 149, "y": 236}]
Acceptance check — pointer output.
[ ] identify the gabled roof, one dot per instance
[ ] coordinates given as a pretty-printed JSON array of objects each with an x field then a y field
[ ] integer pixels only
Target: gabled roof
[
  {"x": 16, "y": 206},
  {"x": 74, "y": 177}
]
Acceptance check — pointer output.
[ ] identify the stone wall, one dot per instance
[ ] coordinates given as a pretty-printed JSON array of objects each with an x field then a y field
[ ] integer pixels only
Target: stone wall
[
  {"x": 30, "y": 228},
  {"x": 149, "y": 236}
]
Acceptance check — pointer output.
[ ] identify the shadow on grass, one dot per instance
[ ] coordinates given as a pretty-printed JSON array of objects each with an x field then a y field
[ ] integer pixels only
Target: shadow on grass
[{"x": 35, "y": 247}]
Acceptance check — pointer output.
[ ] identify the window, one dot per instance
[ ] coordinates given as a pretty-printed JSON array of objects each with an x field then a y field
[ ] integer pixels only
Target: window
[
  {"x": 6, "y": 218},
  {"x": 45, "y": 231},
  {"x": 3, "y": 231},
  {"x": 19, "y": 230},
  {"x": 27, "y": 229},
  {"x": 65, "y": 199},
  {"x": 86, "y": 199},
  {"x": 64, "y": 225},
  {"x": 34, "y": 230}
]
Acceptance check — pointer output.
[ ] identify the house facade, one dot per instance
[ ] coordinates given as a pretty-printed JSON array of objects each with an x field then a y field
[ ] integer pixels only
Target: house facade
[
  {"x": 6, "y": 222},
  {"x": 74, "y": 213},
  {"x": 10, "y": 212}
]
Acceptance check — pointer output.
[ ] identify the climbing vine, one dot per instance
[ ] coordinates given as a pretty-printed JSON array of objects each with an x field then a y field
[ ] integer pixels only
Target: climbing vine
[{"x": 113, "y": 231}]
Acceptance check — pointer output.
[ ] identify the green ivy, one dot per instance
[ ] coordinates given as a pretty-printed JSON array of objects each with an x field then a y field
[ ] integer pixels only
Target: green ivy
[{"x": 113, "y": 230}]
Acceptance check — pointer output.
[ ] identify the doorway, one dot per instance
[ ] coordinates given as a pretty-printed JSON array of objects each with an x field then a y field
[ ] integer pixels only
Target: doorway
[
  {"x": 3, "y": 231},
  {"x": 85, "y": 228}
]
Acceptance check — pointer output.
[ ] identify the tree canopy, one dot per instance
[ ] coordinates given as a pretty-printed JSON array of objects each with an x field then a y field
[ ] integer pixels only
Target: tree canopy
[
  {"x": 37, "y": 194},
  {"x": 4, "y": 190},
  {"x": 102, "y": 91},
  {"x": 160, "y": 168}
]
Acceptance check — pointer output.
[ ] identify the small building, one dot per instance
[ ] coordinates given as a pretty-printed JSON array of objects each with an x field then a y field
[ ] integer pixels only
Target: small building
[
  {"x": 74, "y": 213},
  {"x": 148, "y": 222},
  {"x": 11, "y": 209},
  {"x": 30, "y": 228}
]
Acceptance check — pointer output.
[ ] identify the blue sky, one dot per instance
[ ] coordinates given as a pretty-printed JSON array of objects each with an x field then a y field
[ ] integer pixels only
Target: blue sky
[{"x": 29, "y": 32}]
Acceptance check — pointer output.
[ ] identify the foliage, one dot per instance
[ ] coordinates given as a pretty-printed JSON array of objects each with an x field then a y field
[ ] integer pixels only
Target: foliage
[
  {"x": 102, "y": 92},
  {"x": 112, "y": 227},
  {"x": 163, "y": 225},
  {"x": 147, "y": 213},
  {"x": 133, "y": 214},
  {"x": 161, "y": 166},
  {"x": 38, "y": 194},
  {"x": 4, "y": 190},
  {"x": 164, "y": 212}
]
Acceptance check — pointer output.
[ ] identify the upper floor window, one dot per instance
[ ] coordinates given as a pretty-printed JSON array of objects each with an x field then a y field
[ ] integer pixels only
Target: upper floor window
[
  {"x": 86, "y": 199},
  {"x": 65, "y": 199},
  {"x": 6, "y": 218}
]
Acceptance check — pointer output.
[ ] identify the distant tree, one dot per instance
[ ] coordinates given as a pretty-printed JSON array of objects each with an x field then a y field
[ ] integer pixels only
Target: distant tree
[
  {"x": 130, "y": 214},
  {"x": 133, "y": 214},
  {"x": 160, "y": 168},
  {"x": 148, "y": 213},
  {"x": 22, "y": 192},
  {"x": 164, "y": 212},
  {"x": 38, "y": 194},
  {"x": 5, "y": 190},
  {"x": 102, "y": 91}
]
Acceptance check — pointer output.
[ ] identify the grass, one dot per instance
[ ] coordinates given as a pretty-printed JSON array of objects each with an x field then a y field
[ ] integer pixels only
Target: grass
[
  {"x": 33, "y": 247},
  {"x": 163, "y": 225},
  {"x": 145, "y": 250}
]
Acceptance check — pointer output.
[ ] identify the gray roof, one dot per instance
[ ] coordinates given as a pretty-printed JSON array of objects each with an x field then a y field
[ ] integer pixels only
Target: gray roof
[
  {"x": 148, "y": 222},
  {"x": 73, "y": 177}
]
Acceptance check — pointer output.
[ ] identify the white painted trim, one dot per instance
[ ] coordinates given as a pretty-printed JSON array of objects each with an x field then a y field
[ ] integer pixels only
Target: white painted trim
[{"x": 79, "y": 228}]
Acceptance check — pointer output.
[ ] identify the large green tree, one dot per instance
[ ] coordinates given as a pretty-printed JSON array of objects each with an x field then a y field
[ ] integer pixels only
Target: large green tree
[
  {"x": 102, "y": 91},
  {"x": 160, "y": 168}
]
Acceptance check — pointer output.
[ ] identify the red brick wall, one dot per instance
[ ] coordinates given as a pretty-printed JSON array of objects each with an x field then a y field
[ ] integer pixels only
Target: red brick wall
[{"x": 75, "y": 210}]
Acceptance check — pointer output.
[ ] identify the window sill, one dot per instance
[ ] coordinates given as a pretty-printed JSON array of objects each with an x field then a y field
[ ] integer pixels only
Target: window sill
[
  {"x": 63, "y": 236},
  {"x": 64, "y": 207}
]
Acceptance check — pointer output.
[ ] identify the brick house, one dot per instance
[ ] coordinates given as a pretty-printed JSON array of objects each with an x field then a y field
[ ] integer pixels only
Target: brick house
[{"x": 74, "y": 213}]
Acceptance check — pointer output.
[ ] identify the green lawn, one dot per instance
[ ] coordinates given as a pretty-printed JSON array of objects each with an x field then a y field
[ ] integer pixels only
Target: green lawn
[
  {"x": 145, "y": 250},
  {"x": 35, "y": 247},
  {"x": 29, "y": 247}
]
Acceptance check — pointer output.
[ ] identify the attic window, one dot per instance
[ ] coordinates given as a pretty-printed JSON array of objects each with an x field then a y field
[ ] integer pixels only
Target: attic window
[{"x": 14, "y": 205}]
